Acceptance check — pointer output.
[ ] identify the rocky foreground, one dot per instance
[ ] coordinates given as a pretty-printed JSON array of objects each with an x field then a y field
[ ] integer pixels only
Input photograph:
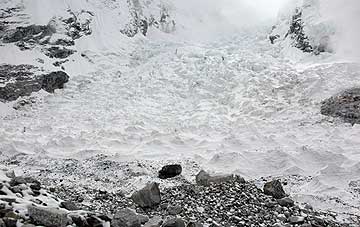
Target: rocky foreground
[{"x": 226, "y": 200}]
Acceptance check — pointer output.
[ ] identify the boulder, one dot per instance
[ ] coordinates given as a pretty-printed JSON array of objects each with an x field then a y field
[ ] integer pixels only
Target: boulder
[
  {"x": 286, "y": 202},
  {"x": 50, "y": 217},
  {"x": 147, "y": 197},
  {"x": 296, "y": 220},
  {"x": 170, "y": 171},
  {"x": 345, "y": 105},
  {"x": 203, "y": 178},
  {"x": 155, "y": 221},
  {"x": 176, "y": 222},
  {"x": 194, "y": 224},
  {"x": 125, "y": 218},
  {"x": 274, "y": 188},
  {"x": 69, "y": 205}
]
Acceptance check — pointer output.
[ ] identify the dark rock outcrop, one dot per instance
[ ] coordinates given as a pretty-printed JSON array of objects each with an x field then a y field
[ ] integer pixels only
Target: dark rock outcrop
[
  {"x": 345, "y": 105},
  {"x": 274, "y": 188},
  {"x": 170, "y": 171},
  {"x": 58, "y": 52},
  {"x": 22, "y": 80}
]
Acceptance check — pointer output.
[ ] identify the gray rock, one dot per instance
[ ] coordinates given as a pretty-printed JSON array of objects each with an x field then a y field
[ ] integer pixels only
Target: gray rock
[
  {"x": 286, "y": 202},
  {"x": 125, "y": 218},
  {"x": 2, "y": 223},
  {"x": 274, "y": 188},
  {"x": 203, "y": 178},
  {"x": 147, "y": 197},
  {"x": 194, "y": 224},
  {"x": 69, "y": 205},
  {"x": 345, "y": 105},
  {"x": 176, "y": 222},
  {"x": 170, "y": 171},
  {"x": 50, "y": 217},
  {"x": 155, "y": 221},
  {"x": 10, "y": 174},
  {"x": 143, "y": 218},
  {"x": 296, "y": 220},
  {"x": 174, "y": 210}
]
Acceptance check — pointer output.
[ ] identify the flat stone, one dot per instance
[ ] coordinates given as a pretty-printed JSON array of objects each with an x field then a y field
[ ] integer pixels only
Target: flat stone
[
  {"x": 205, "y": 179},
  {"x": 155, "y": 221},
  {"x": 194, "y": 224},
  {"x": 50, "y": 217}
]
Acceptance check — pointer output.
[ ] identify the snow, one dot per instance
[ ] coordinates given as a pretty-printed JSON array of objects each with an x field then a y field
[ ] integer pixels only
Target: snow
[{"x": 232, "y": 103}]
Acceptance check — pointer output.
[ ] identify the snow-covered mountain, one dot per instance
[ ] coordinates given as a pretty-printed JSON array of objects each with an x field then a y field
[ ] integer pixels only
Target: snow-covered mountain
[{"x": 150, "y": 82}]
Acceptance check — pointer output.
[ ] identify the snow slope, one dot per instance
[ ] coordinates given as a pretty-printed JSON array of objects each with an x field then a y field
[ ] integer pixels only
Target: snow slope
[{"x": 231, "y": 103}]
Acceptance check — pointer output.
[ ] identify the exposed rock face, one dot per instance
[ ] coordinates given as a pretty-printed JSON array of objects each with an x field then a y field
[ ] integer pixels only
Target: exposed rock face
[
  {"x": 297, "y": 33},
  {"x": 345, "y": 105},
  {"x": 304, "y": 29},
  {"x": 57, "y": 52},
  {"x": 48, "y": 216},
  {"x": 147, "y": 197},
  {"x": 22, "y": 80},
  {"x": 170, "y": 171},
  {"x": 274, "y": 188},
  {"x": 203, "y": 178},
  {"x": 25, "y": 34},
  {"x": 140, "y": 21}
]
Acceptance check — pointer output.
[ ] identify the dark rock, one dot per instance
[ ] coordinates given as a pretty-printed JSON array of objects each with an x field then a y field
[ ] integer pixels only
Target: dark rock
[
  {"x": 176, "y": 222},
  {"x": 297, "y": 33},
  {"x": 125, "y": 218},
  {"x": 25, "y": 180},
  {"x": 50, "y": 217},
  {"x": 93, "y": 221},
  {"x": 57, "y": 52},
  {"x": 69, "y": 205},
  {"x": 147, "y": 197},
  {"x": 286, "y": 202},
  {"x": 10, "y": 222},
  {"x": 274, "y": 189},
  {"x": 273, "y": 38},
  {"x": 143, "y": 218},
  {"x": 345, "y": 105},
  {"x": 203, "y": 178},
  {"x": 22, "y": 80},
  {"x": 170, "y": 171},
  {"x": 31, "y": 32}
]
